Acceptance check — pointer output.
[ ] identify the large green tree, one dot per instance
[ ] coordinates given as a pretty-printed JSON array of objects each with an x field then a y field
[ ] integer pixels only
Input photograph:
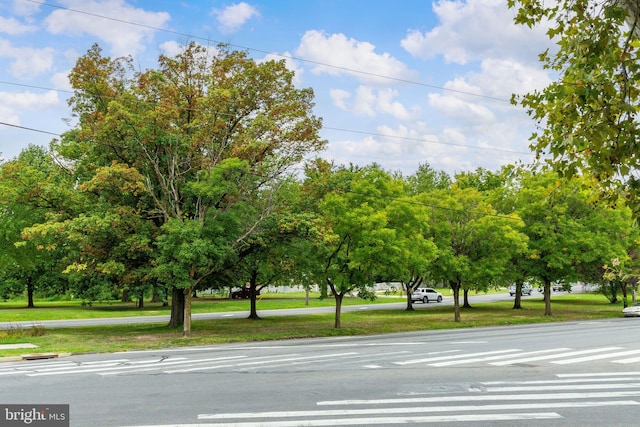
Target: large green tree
[
  {"x": 33, "y": 188},
  {"x": 569, "y": 238},
  {"x": 474, "y": 243},
  {"x": 589, "y": 115},
  {"x": 208, "y": 132}
]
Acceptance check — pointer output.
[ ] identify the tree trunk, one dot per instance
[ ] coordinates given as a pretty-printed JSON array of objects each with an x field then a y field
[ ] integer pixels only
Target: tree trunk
[
  {"x": 306, "y": 297},
  {"x": 408, "y": 290},
  {"x": 30, "y": 291},
  {"x": 141, "y": 300},
  {"x": 338, "y": 297},
  {"x": 517, "y": 303},
  {"x": 455, "y": 287},
  {"x": 547, "y": 297},
  {"x": 253, "y": 287},
  {"x": 466, "y": 303},
  {"x": 186, "y": 327},
  {"x": 177, "y": 308}
]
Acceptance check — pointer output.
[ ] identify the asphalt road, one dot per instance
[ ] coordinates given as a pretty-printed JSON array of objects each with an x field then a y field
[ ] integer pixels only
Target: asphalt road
[{"x": 557, "y": 374}]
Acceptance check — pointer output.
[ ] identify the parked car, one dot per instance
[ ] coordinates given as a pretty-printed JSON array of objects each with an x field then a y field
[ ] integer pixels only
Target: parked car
[
  {"x": 558, "y": 287},
  {"x": 632, "y": 310},
  {"x": 526, "y": 290},
  {"x": 426, "y": 295},
  {"x": 243, "y": 293}
]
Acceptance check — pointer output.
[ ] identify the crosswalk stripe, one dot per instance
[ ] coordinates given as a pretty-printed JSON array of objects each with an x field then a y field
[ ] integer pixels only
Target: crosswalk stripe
[
  {"x": 478, "y": 398},
  {"x": 458, "y": 356},
  {"x": 416, "y": 410},
  {"x": 596, "y": 357},
  {"x": 384, "y": 420},
  {"x": 562, "y": 387},
  {"x": 485, "y": 359},
  {"x": 262, "y": 362},
  {"x": 555, "y": 356},
  {"x": 597, "y": 374},
  {"x": 157, "y": 366},
  {"x": 630, "y": 360}
]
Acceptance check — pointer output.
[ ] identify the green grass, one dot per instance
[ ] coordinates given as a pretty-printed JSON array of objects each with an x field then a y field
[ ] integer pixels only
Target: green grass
[
  {"x": 571, "y": 307},
  {"x": 16, "y": 311}
]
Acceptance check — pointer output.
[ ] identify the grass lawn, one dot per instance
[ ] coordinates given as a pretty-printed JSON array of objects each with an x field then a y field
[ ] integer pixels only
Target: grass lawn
[
  {"x": 16, "y": 311},
  {"x": 570, "y": 307}
]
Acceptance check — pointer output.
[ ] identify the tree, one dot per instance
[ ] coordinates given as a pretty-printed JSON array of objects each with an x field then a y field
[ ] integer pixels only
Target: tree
[
  {"x": 474, "y": 243},
  {"x": 568, "y": 236},
  {"x": 209, "y": 132},
  {"x": 357, "y": 240},
  {"x": 426, "y": 179},
  {"x": 588, "y": 116},
  {"x": 32, "y": 187}
]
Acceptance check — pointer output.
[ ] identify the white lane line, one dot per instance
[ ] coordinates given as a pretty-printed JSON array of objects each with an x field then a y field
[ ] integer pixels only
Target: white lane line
[
  {"x": 382, "y": 420},
  {"x": 562, "y": 387},
  {"x": 263, "y": 362},
  {"x": 416, "y": 410},
  {"x": 156, "y": 366},
  {"x": 458, "y": 356},
  {"x": 630, "y": 360},
  {"x": 479, "y": 398},
  {"x": 555, "y": 356},
  {"x": 566, "y": 381},
  {"x": 502, "y": 356},
  {"x": 596, "y": 357},
  {"x": 597, "y": 374},
  {"x": 196, "y": 363}
]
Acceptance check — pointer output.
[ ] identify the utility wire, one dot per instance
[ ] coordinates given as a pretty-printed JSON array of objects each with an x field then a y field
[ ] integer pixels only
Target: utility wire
[
  {"x": 360, "y": 132},
  {"x": 309, "y": 61}
]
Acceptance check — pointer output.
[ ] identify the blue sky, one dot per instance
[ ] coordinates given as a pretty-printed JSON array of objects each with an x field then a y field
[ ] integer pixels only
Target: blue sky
[{"x": 400, "y": 83}]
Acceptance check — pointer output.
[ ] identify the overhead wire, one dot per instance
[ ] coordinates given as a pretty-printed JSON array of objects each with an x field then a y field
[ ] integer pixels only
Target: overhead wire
[{"x": 355, "y": 71}]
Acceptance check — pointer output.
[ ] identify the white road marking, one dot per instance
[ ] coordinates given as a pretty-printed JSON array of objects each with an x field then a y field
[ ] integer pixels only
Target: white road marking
[
  {"x": 596, "y": 357},
  {"x": 459, "y": 356},
  {"x": 381, "y": 420},
  {"x": 417, "y": 410},
  {"x": 512, "y": 356},
  {"x": 478, "y": 398},
  {"x": 555, "y": 356}
]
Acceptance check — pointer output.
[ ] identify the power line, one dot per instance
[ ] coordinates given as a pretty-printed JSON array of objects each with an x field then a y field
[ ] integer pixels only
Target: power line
[
  {"x": 405, "y": 138},
  {"x": 309, "y": 61}
]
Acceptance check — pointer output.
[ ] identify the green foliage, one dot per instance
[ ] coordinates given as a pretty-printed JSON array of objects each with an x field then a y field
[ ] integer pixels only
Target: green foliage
[{"x": 588, "y": 116}]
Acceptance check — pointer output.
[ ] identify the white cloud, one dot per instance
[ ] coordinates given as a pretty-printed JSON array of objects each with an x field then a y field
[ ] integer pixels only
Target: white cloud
[
  {"x": 25, "y": 8},
  {"x": 61, "y": 81},
  {"x": 339, "y": 98},
  {"x": 13, "y": 27},
  {"x": 13, "y": 102},
  {"x": 370, "y": 102},
  {"x": 231, "y": 18},
  {"x": 26, "y": 62},
  {"x": 474, "y": 30},
  {"x": 461, "y": 110},
  {"x": 348, "y": 56},
  {"x": 30, "y": 100},
  {"x": 123, "y": 37}
]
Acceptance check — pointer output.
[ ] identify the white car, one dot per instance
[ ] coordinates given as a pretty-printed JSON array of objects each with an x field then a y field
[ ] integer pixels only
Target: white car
[
  {"x": 526, "y": 290},
  {"x": 632, "y": 310},
  {"x": 426, "y": 295}
]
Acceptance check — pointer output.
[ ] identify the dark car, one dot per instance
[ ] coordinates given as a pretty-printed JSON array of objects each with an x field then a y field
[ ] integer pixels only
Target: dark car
[{"x": 244, "y": 293}]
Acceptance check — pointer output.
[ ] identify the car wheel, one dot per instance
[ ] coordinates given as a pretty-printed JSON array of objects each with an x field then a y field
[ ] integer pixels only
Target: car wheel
[
  {"x": 439, "y": 298},
  {"x": 425, "y": 300}
]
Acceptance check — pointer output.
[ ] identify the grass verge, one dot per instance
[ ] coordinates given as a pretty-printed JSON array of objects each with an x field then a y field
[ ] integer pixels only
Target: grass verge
[{"x": 208, "y": 332}]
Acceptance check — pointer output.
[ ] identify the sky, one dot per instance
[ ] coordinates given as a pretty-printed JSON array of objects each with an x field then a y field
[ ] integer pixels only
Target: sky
[{"x": 400, "y": 83}]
